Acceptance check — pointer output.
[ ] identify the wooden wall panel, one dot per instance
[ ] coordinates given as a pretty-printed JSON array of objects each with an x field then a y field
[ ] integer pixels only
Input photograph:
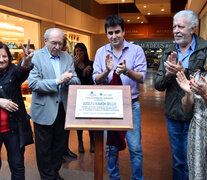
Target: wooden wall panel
[{"x": 156, "y": 28}]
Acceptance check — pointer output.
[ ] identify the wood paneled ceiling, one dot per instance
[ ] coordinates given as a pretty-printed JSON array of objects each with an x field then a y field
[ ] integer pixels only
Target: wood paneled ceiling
[{"x": 140, "y": 11}]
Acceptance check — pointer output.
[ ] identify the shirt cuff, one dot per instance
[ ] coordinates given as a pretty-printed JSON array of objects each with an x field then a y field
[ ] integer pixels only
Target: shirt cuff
[{"x": 25, "y": 69}]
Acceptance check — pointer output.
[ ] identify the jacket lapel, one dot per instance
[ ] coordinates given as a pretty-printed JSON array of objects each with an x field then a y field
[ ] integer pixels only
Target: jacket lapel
[
  {"x": 62, "y": 63},
  {"x": 48, "y": 64}
]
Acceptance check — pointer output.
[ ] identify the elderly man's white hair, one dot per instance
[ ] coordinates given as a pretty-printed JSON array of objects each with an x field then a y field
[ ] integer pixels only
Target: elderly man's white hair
[
  {"x": 192, "y": 17},
  {"x": 48, "y": 31}
]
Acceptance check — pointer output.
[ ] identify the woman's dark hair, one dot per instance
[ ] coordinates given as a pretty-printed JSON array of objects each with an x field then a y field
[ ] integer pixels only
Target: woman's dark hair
[
  {"x": 113, "y": 21},
  {"x": 5, "y": 47},
  {"x": 65, "y": 41},
  {"x": 83, "y": 47}
]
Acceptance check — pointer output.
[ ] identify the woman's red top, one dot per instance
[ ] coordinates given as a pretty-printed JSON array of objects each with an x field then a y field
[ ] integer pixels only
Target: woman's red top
[{"x": 4, "y": 123}]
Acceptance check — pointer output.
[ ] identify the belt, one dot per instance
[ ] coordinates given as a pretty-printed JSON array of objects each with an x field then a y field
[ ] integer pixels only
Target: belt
[{"x": 135, "y": 99}]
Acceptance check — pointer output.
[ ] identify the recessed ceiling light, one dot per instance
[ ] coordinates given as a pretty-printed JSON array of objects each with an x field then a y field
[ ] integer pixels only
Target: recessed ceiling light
[
  {"x": 11, "y": 27},
  {"x": 123, "y": 1},
  {"x": 144, "y": 6},
  {"x": 20, "y": 19},
  {"x": 128, "y": 20},
  {"x": 162, "y": 9},
  {"x": 5, "y": 16},
  {"x": 138, "y": 17},
  {"x": 14, "y": 39},
  {"x": 148, "y": 13}
]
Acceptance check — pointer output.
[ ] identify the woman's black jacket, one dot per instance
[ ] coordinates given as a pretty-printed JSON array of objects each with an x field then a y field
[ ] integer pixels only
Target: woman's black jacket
[{"x": 10, "y": 88}]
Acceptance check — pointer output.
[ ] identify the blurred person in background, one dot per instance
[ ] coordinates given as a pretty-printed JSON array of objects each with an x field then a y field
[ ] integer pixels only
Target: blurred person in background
[{"x": 84, "y": 70}]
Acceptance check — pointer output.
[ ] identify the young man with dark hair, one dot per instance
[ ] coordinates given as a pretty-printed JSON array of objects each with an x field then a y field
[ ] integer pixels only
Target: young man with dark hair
[{"x": 129, "y": 62}]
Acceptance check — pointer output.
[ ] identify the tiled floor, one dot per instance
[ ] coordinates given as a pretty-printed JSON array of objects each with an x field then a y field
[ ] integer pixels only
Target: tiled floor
[{"x": 157, "y": 160}]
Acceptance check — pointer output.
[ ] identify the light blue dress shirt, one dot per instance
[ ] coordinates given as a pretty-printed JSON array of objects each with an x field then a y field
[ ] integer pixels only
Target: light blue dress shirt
[
  {"x": 56, "y": 65},
  {"x": 186, "y": 56}
]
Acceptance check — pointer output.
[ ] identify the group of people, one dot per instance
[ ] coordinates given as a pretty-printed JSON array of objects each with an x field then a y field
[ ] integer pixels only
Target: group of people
[{"x": 50, "y": 70}]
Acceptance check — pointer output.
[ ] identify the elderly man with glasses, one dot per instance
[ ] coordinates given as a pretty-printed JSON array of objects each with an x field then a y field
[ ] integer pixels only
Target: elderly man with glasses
[{"x": 52, "y": 73}]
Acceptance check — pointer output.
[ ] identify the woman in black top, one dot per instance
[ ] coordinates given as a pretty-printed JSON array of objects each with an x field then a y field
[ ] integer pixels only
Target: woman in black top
[{"x": 84, "y": 70}]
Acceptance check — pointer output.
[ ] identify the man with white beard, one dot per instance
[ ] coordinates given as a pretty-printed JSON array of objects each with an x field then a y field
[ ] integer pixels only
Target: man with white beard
[{"x": 188, "y": 54}]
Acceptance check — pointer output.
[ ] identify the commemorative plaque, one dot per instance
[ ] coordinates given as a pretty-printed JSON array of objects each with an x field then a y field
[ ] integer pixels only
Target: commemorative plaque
[
  {"x": 99, "y": 103},
  {"x": 99, "y": 108}
]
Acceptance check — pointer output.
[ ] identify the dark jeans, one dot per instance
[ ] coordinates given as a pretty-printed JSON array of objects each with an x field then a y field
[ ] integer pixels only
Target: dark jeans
[
  {"x": 15, "y": 155},
  {"x": 178, "y": 133},
  {"x": 49, "y": 144}
]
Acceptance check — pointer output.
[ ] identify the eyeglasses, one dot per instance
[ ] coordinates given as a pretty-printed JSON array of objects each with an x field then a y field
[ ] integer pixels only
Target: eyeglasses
[{"x": 54, "y": 43}]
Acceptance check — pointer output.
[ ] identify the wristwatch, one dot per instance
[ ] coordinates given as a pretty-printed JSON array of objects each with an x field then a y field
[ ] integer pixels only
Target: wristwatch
[{"x": 126, "y": 73}]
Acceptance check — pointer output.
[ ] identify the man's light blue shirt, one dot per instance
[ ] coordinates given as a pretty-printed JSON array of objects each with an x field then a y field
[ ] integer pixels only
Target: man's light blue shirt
[
  {"x": 56, "y": 66},
  {"x": 186, "y": 56}
]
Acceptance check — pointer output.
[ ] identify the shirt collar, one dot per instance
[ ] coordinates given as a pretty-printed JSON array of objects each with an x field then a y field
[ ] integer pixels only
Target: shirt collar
[
  {"x": 51, "y": 57},
  {"x": 192, "y": 45},
  {"x": 109, "y": 48}
]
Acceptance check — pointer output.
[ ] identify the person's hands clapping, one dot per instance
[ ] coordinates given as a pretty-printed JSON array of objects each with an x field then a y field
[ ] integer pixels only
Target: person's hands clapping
[
  {"x": 121, "y": 68},
  {"x": 109, "y": 62},
  {"x": 76, "y": 60},
  {"x": 28, "y": 54},
  {"x": 65, "y": 77},
  {"x": 171, "y": 67},
  {"x": 199, "y": 88},
  {"x": 87, "y": 70},
  {"x": 172, "y": 57},
  {"x": 8, "y": 105},
  {"x": 183, "y": 82}
]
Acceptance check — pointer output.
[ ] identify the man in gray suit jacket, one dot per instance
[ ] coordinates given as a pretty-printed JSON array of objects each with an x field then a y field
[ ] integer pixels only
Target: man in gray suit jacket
[{"x": 49, "y": 79}]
